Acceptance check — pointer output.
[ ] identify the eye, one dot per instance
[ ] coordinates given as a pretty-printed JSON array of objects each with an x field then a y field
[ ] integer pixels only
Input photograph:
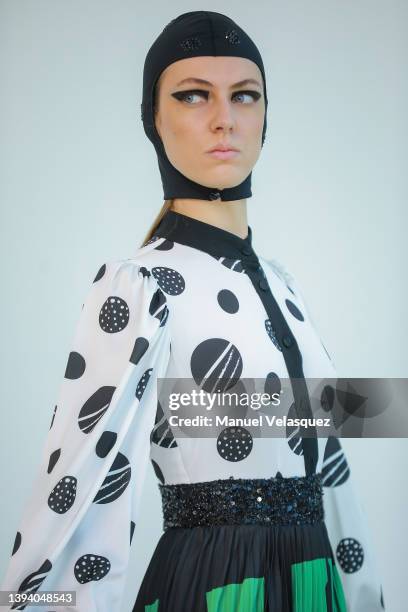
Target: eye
[
  {"x": 185, "y": 96},
  {"x": 255, "y": 95}
]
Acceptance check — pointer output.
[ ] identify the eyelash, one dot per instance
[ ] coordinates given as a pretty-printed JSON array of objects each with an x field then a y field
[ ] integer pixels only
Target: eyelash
[{"x": 181, "y": 95}]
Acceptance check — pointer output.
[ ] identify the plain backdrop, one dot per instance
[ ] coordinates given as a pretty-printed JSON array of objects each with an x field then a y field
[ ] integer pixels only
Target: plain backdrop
[{"x": 79, "y": 185}]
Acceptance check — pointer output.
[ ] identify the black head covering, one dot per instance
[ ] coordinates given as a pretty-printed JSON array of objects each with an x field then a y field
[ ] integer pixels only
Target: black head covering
[{"x": 194, "y": 34}]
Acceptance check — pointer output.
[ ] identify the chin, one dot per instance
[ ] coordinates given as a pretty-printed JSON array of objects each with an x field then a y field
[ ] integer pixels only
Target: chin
[{"x": 223, "y": 178}]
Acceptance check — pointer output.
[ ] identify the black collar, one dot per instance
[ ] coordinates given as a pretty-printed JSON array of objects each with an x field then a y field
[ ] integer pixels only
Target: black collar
[{"x": 218, "y": 242}]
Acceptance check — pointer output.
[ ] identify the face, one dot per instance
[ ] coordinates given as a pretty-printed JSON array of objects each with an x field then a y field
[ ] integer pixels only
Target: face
[{"x": 203, "y": 102}]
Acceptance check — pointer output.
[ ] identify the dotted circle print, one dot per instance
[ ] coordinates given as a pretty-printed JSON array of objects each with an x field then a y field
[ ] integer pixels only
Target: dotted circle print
[
  {"x": 91, "y": 567},
  {"x": 350, "y": 555},
  {"x": 114, "y": 315},
  {"x": 234, "y": 443},
  {"x": 63, "y": 495},
  {"x": 169, "y": 280}
]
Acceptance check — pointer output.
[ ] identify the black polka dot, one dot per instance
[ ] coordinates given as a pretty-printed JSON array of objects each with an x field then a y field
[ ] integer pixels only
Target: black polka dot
[
  {"x": 142, "y": 384},
  {"x": 294, "y": 310},
  {"x": 158, "y": 307},
  {"x": 53, "y": 460},
  {"x": 228, "y": 301},
  {"x": 94, "y": 408},
  {"x": 115, "y": 481},
  {"x": 63, "y": 495},
  {"x": 157, "y": 471},
  {"x": 17, "y": 543},
  {"x": 75, "y": 366},
  {"x": 169, "y": 280},
  {"x": 105, "y": 443},
  {"x": 91, "y": 567},
  {"x": 162, "y": 434},
  {"x": 114, "y": 315},
  {"x": 234, "y": 443},
  {"x": 216, "y": 364},
  {"x": 350, "y": 555},
  {"x": 100, "y": 273},
  {"x": 140, "y": 347},
  {"x": 272, "y": 384}
]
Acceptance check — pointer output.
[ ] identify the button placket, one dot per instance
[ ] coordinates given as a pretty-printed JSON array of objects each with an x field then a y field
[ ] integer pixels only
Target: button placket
[
  {"x": 222, "y": 244},
  {"x": 291, "y": 354},
  {"x": 250, "y": 260},
  {"x": 287, "y": 340}
]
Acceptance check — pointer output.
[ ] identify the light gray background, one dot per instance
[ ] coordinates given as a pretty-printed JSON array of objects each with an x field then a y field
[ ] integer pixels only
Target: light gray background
[{"x": 80, "y": 185}]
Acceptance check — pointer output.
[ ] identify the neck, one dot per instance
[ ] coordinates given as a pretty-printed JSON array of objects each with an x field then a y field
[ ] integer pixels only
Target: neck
[{"x": 230, "y": 216}]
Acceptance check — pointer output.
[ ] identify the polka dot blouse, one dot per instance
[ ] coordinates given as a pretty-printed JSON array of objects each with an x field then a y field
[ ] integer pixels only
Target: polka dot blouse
[{"x": 194, "y": 302}]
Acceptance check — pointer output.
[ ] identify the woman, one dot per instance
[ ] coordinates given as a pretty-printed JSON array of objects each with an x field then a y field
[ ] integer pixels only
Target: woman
[{"x": 252, "y": 522}]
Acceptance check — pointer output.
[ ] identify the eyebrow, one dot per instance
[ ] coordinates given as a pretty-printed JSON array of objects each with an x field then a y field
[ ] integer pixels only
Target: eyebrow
[{"x": 204, "y": 82}]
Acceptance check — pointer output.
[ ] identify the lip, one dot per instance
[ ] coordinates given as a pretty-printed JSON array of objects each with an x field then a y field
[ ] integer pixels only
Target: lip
[
  {"x": 222, "y": 147},
  {"x": 223, "y": 153}
]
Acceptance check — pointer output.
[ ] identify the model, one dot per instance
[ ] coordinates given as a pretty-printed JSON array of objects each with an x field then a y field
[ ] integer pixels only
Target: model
[{"x": 252, "y": 523}]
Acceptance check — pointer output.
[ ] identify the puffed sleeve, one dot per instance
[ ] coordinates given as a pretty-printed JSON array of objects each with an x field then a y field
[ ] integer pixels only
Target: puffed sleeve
[
  {"x": 345, "y": 519},
  {"x": 77, "y": 525}
]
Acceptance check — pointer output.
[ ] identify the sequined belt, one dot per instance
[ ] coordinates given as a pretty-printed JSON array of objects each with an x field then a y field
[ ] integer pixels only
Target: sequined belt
[{"x": 271, "y": 501}]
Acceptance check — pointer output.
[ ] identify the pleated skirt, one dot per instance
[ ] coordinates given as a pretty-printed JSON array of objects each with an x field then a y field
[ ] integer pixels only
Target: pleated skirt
[{"x": 242, "y": 568}]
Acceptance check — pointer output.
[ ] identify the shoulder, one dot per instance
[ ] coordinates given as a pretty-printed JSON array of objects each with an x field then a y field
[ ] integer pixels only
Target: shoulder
[
  {"x": 132, "y": 269},
  {"x": 130, "y": 278},
  {"x": 289, "y": 280},
  {"x": 281, "y": 271}
]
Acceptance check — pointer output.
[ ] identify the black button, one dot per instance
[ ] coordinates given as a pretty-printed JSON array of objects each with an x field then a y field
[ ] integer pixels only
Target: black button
[
  {"x": 263, "y": 284},
  {"x": 214, "y": 195},
  {"x": 287, "y": 341},
  {"x": 246, "y": 250}
]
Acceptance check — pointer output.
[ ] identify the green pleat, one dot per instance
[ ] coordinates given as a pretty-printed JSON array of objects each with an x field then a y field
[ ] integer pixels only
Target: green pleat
[
  {"x": 152, "y": 607},
  {"x": 339, "y": 598},
  {"x": 312, "y": 585},
  {"x": 246, "y": 596}
]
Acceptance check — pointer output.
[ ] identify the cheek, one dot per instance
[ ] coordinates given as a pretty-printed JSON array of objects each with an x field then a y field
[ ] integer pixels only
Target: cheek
[
  {"x": 181, "y": 130},
  {"x": 184, "y": 144},
  {"x": 253, "y": 125}
]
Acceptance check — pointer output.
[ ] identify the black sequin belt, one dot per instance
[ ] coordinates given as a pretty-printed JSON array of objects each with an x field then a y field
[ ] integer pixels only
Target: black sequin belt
[{"x": 272, "y": 501}]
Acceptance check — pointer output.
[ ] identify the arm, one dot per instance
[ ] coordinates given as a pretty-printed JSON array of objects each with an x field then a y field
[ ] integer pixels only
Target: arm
[{"x": 75, "y": 533}]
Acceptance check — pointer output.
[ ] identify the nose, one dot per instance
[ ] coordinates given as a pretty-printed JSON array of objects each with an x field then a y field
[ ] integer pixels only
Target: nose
[{"x": 223, "y": 116}]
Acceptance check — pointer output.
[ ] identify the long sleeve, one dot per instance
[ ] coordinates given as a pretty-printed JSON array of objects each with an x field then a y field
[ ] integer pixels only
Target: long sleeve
[
  {"x": 348, "y": 532},
  {"x": 77, "y": 525}
]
